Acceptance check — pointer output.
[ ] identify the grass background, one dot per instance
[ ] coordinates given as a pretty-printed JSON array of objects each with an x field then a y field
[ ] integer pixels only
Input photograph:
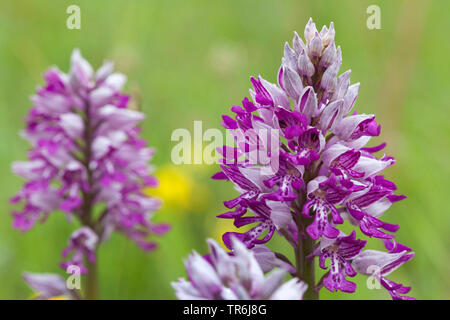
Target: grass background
[{"x": 191, "y": 60}]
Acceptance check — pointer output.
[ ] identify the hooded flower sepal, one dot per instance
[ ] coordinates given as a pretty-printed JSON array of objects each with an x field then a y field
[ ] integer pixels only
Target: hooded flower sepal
[
  {"x": 306, "y": 147},
  {"x": 365, "y": 209},
  {"x": 379, "y": 264},
  {"x": 289, "y": 179},
  {"x": 356, "y": 126}
]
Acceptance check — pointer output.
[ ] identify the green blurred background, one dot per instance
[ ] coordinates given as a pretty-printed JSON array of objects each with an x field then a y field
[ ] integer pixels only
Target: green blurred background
[{"x": 191, "y": 60}]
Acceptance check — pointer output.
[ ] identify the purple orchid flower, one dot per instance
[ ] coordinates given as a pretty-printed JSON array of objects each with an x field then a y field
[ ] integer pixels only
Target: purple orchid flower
[
  {"x": 82, "y": 243},
  {"x": 326, "y": 173},
  {"x": 366, "y": 208},
  {"x": 341, "y": 251},
  {"x": 323, "y": 194}
]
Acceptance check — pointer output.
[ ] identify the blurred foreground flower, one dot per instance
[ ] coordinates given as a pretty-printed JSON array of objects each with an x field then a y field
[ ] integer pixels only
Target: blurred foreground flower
[
  {"x": 235, "y": 276},
  {"x": 49, "y": 286},
  {"x": 86, "y": 151},
  {"x": 312, "y": 169}
]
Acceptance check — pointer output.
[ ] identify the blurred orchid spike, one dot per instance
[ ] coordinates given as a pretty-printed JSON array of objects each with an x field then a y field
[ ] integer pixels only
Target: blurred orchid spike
[
  {"x": 234, "y": 276},
  {"x": 86, "y": 151}
]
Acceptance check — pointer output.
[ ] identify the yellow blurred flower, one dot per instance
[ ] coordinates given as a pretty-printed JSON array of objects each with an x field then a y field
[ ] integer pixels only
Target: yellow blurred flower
[
  {"x": 58, "y": 298},
  {"x": 37, "y": 295},
  {"x": 175, "y": 187},
  {"x": 178, "y": 190}
]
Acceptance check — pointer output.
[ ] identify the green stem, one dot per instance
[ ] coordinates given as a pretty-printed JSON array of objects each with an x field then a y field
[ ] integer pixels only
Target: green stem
[
  {"x": 91, "y": 281},
  {"x": 303, "y": 254},
  {"x": 307, "y": 269},
  {"x": 91, "y": 285}
]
